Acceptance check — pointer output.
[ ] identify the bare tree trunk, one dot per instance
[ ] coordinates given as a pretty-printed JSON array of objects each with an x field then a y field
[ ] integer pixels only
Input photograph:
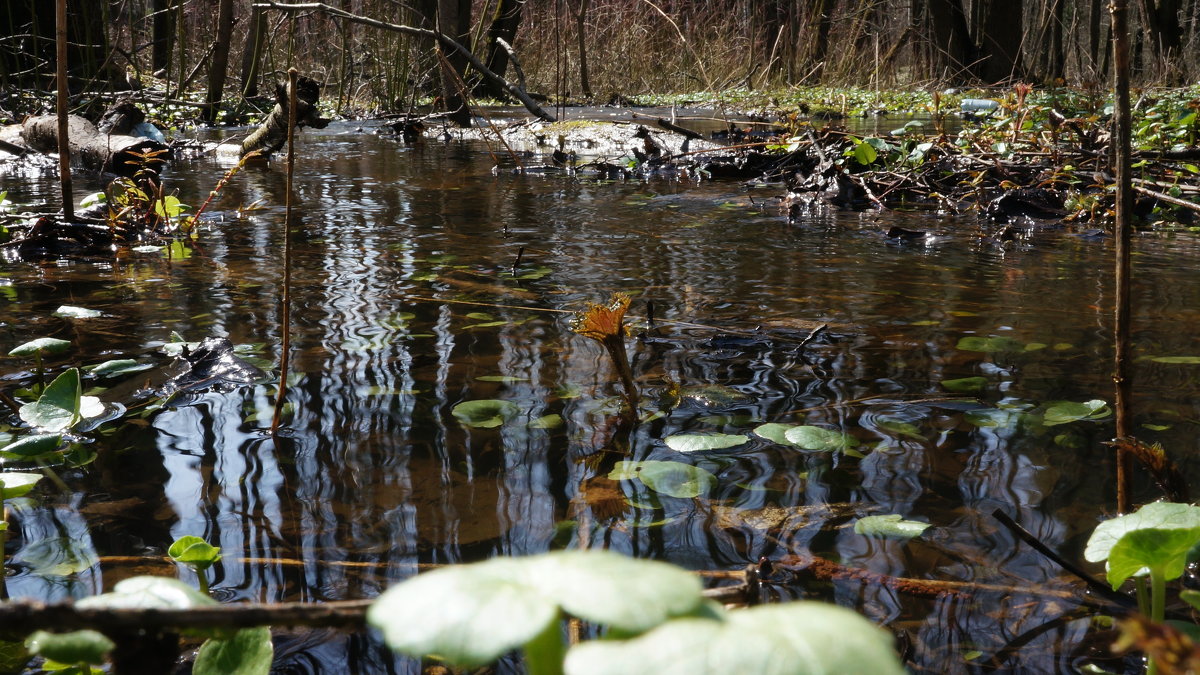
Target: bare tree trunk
[
  {"x": 163, "y": 35},
  {"x": 580, "y": 22},
  {"x": 256, "y": 42},
  {"x": 505, "y": 22},
  {"x": 1122, "y": 227},
  {"x": 1000, "y": 38},
  {"x": 950, "y": 37},
  {"x": 1094, "y": 41},
  {"x": 219, "y": 65}
]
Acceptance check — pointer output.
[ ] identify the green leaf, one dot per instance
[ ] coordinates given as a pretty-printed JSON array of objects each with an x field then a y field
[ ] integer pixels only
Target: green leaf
[
  {"x": 796, "y": 638},
  {"x": 1063, "y": 412},
  {"x": 900, "y": 428},
  {"x": 194, "y": 552},
  {"x": 58, "y": 406},
  {"x": 1191, "y": 597},
  {"x": 864, "y": 154},
  {"x": 674, "y": 479},
  {"x": 819, "y": 438},
  {"x": 485, "y": 413},
  {"x": 551, "y": 421},
  {"x": 892, "y": 526},
  {"x": 965, "y": 385},
  {"x": 702, "y": 442},
  {"x": 71, "y": 312},
  {"x": 33, "y": 446},
  {"x": 149, "y": 593},
  {"x": 117, "y": 367},
  {"x": 248, "y": 652},
  {"x": 81, "y": 646},
  {"x": 470, "y": 615},
  {"x": 1191, "y": 360},
  {"x": 43, "y": 345},
  {"x": 15, "y": 484},
  {"x": 501, "y": 378},
  {"x": 1162, "y": 550},
  {"x": 775, "y": 432},
  {"x": 1157, "y": 515},
  {"x": 989, "y": 344}
]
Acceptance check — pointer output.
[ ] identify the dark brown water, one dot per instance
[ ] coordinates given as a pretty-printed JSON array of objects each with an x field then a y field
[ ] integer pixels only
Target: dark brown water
[{"x": 405, "y": 305}]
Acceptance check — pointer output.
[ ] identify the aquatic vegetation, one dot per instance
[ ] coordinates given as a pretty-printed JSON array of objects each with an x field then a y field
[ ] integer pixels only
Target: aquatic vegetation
[
  {"x": 606, "y": 325},
  {"x": 197, "y": 554},
  {"x": 78, "y": 650}
]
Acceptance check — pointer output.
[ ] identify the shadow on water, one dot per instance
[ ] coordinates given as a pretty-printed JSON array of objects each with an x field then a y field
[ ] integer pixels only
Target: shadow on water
[{"x": 407, "y": 304}]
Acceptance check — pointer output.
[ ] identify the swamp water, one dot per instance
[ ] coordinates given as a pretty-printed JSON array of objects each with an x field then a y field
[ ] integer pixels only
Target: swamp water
[{"x": 408, "y": 300}]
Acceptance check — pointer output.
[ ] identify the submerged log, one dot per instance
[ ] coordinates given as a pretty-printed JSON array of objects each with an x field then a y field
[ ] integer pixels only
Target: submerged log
[
  {"x": 114, "y": 151},
  {"x": 272, "y": 133}
]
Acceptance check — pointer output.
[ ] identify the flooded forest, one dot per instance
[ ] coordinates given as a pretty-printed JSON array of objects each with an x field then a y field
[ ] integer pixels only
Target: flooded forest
[{"x": 599, "y": 337}]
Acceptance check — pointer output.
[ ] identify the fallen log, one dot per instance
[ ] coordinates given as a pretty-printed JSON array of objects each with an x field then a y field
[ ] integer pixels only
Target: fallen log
[
  {"x": 273, "y": 132},
  {"x": 113, "y": 151}
]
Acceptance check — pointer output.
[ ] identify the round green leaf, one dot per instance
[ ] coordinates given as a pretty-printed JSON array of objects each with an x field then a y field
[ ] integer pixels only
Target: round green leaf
[
  {"x": 33, "y": 446},
  {"x": 71, "y": 312},
  {"x": 43, "y": 345},
  {"x": 117, "y": 367},
  {"x": 1190, "y": 360},
  {"x": 965, "y": 385},
  {"x": 701, "y": 442},
  {"x": 1157, "y": 515},
  {"x": 195, "y": 552},
  {"x": 472, "y": 614},
  {"x": 975, "y": 343},
  {"x": 149, "y": 593},
  {"x": 1160, "y": 550},
  {"x": 674, "y": 479},
  {"x": 774, "y": 432},
  {"x": 81, "y": 646},
  {"x": 16, "y": 484},
  {"x": 798, "y": 638},
  {"x": 485, "y": 413},
  {"x": 551, "y": 421},
  {"x": 892, "y": 526},
  {"x": 248, "y": 652},
  {"x": 819, "y": 438},
  {"x": 1063, "y": 412}
]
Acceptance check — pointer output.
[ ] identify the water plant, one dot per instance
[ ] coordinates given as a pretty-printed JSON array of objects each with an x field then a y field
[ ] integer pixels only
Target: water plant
[
  {"x": 606, "y": 325},
  {"x": 197, "y": 554}
]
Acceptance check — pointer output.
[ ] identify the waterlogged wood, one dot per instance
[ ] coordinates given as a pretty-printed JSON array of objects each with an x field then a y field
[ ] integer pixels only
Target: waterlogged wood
[{"x": 89, "y": 147}]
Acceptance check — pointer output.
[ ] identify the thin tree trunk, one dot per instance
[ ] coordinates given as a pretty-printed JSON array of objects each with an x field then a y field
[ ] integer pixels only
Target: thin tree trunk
[
  {"x": 1094, "y": 41},
  {"x": 219, "y": 65},
  {"x": 162, "y": 35},
  {"x": 64, "y": 142},
  {"x": 256, "y": 40},
  {"x": 1123, "y": 227},
  {"x": 506, "y": 19},
  {"x": 580, "y": 22}
]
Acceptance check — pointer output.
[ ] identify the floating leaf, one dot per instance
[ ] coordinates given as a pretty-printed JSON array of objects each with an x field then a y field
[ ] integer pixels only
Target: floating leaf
[
  {"x": 900, "y": 428},
  {"x": 1190, "y": 360},
  {"x": 775, "y": 432},
  {"x": 503, "y": 603},
  {"x": 819, "y": 438},
  {"x": 148, "y": 593},
  {"x": 485, "y": 413},
  {"x": 58, "y": 406},
  {"x": 501, "y": 378},
  {"x": 44, "y": 345},
  {"x": 117, "y": 367},
  {"x": 81, "y": 646},
  {"x": 70, "y": 312},
  {"x": 194, "y": 552},
  {"x": 17, "y": 484},
  {"x": 701, "y": 442},
  {"x": 965, "y": 385},
  {"x": 892, "y": 526},
  {"x": 551, "y": 421},
  {"x": 796, "y": 638},
  {"x": 674, "y": 479},
  {"x": 248, "y": 652},
  {"x": 480, "y": 316},
  {"x": 33, "y": 446},
  {"x": 988, "y": 344},
  {"x": 1062, "y": 412},
  {"x": 714, "y": 395},
  {"x": 1156, "y": 515}
]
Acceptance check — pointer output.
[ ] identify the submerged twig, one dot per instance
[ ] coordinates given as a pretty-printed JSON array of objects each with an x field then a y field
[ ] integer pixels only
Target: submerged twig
[{"x": 285, "y": 316}]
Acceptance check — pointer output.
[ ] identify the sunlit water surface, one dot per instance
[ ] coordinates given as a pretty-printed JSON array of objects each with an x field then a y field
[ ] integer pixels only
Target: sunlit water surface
[{"x": 405, "y": 304}]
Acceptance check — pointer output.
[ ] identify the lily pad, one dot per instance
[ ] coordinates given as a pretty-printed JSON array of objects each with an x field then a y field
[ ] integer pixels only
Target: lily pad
[
  {"x": 796, "y": 638},
  {"x": 44, "y": 345},
  {"x": 551, "y": 421},
  {"x": 989, "y": 344},
  {"x": 701, "y": 442},
  {"x": 504, "y": 603},
  {"x": 819, "y": 438},
  {"x": 775, "y": 432},
  {"x": 71, "y": 312},
  {"x": 900, "y": 428},
  {"x": 1063, "y": 412},
  {"x": 15, "y": 484},
  {"x": 1189, "y": 360},
  {"x": 115, "y": 367},
  {"x": 81, "y": 646},
  {"x": 485, "y": 413},
  {"x": 892, "y": 526},
  {"x": 674, "y": 479},
  {"x": 248, "y": 652},
  {"x": 965, "y": 385}
]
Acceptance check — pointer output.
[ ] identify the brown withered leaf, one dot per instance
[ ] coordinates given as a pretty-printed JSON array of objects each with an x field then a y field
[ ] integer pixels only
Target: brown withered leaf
[{"x": 1171, "y": 650}]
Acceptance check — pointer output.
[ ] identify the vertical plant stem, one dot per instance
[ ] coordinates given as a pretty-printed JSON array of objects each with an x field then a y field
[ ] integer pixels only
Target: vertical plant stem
[
  {"x": 50, "y": 473},
  {"x": 202, "y": 579},
  {"x": 64, "y": 139},
  {"x": 285, "y": 314},
  {"x": 4, "y": 556},
  {"x": 1158, "y": 606},
  {"x": 544, "y": 654},
  {"x": 1122, "y": 227}
]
